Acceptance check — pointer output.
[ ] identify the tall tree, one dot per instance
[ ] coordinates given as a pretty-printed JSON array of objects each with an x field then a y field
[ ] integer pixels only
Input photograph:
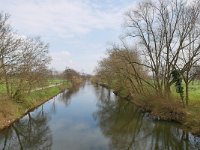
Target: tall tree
[
  {"x": 163, "y": 29},
  {"x": 9, "y": 44},
  {"x": 23, "y": 61}
]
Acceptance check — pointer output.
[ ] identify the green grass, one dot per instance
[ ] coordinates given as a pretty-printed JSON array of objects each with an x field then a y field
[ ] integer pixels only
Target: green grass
[
  {"x": 56, "y": 81},
  {"x": 50, "y": 82},
  {"x": 2, "y": 88},
  {"x": 46, "y": 93},
  {"x": 194, "y": 92},
  {"x": 43, "y": 93}
]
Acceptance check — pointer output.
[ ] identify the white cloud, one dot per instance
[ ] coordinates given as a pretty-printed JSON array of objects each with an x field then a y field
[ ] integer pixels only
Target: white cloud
[
  {"x": 64, "y": 23},
  {"x": 65, "y": 18}
]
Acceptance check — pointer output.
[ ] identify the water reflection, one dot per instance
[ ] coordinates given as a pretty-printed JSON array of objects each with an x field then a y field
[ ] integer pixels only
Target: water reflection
[
  {"x": 93, "y": 118},
  {"x": 31, "y": 132},
  {"x": 66, "y": 95},
  {"x": 129, "y": 129}
]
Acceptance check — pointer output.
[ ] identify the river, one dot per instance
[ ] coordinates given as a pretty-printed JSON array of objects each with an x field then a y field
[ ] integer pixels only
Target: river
[{"x": 93, "y": 118}]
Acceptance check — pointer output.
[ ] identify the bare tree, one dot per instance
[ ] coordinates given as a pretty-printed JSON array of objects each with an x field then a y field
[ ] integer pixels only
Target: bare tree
[
  {"x": 23, "y": 61},
  {"x": 163, "y": 29},
  {"x": 9, "y": 44},
  {"x": 32, "y": 64},
  {"x": 190, "y": 57}
]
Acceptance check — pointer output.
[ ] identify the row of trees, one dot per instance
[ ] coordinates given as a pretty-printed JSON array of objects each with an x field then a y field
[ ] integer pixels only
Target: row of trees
[
  {"x": 166, "y": 36},
  {"x": 23, "y": 60}
]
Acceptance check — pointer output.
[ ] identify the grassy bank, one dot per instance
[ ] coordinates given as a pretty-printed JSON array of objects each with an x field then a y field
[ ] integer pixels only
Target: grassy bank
[
  {"x": 11, "y": 110},
  {"x": 168, "y": 110}
]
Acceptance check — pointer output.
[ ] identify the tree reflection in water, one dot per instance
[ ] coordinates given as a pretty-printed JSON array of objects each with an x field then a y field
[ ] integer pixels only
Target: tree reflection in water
[
  {"x": 31, "y": 132},
  {"x": 66, "y": 95},
  {"x": 120, "y": 123},
  {"x": 127, "y": 128}
]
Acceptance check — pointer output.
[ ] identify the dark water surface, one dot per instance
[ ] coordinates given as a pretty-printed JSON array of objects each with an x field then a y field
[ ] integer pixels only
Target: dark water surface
[{"x": 93, "y": 118}]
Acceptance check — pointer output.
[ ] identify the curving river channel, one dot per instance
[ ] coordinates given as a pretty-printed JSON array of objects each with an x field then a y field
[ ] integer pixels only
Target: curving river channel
[{"x": 93, "y": 118}]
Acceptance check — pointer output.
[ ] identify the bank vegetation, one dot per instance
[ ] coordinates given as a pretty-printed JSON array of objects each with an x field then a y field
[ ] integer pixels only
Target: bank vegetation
[{"x": 156, "y": 63}]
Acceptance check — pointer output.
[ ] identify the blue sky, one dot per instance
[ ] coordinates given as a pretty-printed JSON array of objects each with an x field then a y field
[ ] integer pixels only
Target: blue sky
[{"x": 78, "y": 31}]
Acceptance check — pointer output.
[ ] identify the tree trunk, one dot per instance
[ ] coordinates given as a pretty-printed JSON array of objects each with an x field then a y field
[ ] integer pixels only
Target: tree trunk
[
  {"x": 186, "y": 92},
  {"x": 167, "y": 91},
  {"x": 7, "y": 84},
  {"x": 5, "y": 76}
]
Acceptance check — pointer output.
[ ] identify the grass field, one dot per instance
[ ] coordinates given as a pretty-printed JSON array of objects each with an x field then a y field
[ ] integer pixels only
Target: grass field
[
  {"x": 56, "y": 81},
  {"x": 50, "y": 82},
  {"x": 194, "y": 92},
  {"x": 2, "y": 89}
]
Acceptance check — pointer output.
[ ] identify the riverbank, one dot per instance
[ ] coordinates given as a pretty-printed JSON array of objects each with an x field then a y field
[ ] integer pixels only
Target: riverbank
[
  {"x": 104, "y": 120},
  {"x": 11, "y": 111},
  {"x": 161, "y": 109}
]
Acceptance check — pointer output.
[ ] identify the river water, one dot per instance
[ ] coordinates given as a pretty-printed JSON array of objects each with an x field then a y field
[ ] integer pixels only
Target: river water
[{"x": 93, "y": 118}]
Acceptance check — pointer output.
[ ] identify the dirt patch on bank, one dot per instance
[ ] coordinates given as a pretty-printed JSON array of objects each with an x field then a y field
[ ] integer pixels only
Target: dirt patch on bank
[{"x": 8, "y": 112}]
